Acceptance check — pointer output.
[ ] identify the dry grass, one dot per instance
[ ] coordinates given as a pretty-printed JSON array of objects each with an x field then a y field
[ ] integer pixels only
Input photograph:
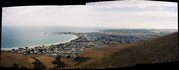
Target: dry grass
[
  {"x": 96, "y": 53},
  {"x": 8, "y": 59},
  {"x": 164, "y": 49},
  {"x": 100, "y": 54},
  {"x": 47, "y": 61},
  {"x": 31, "y": 60},
  {"x": 70, "y": 62}
]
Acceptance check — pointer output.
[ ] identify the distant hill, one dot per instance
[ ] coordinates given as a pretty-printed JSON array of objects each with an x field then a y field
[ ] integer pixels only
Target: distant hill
[
  {"x": 159, "y": 50},
  {"x": 167, "y": 31}
]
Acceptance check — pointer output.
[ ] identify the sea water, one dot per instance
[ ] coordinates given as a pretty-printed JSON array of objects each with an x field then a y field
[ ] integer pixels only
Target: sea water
[{"x": 16, "y": 37}]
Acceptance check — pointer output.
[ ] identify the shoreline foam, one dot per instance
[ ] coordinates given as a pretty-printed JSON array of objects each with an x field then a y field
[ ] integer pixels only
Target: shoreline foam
[{"x": 30, "y": 47}]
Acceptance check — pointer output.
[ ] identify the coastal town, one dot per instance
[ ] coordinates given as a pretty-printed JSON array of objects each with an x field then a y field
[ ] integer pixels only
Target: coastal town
[{"x": 85, "y": 41}]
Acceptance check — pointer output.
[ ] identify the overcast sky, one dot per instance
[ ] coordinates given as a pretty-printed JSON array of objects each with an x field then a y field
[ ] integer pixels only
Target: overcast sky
[{"x": 112, "y": 14}]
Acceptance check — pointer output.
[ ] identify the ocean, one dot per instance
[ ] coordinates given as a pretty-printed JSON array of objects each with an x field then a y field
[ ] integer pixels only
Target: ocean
[{"x": 17, "y": 37}]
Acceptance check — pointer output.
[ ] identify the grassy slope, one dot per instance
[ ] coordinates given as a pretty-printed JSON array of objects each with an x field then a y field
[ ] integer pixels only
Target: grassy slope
[
  {"x": 47, "y": 61},
  {"x": 164, "y": 49},
  {"x": 8, "y": 59}
]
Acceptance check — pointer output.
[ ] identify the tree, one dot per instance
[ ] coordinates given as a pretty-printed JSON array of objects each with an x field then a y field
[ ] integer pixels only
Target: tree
[
  {"x": 59, "y": 63},
  {"x": 81, "y": 59},
  {"x": 38, "y": 65},
  {"x": 15, "y": 66},
  {"x": 32, "y": 50},
  {"x": 13, "y": 49},
  {"x": 26, "y": 48}
]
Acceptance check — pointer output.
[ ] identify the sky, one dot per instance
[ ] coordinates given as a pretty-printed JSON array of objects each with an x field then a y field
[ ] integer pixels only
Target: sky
[{"x": 108, "y": 14}]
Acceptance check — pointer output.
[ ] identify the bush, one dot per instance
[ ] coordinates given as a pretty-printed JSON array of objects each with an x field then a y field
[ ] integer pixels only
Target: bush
[
  {"x": 81, "y": 59},
  {"x": 59, "y": 63}
]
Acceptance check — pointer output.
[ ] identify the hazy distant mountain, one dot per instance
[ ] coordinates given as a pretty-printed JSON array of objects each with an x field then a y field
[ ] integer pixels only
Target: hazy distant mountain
[{"x": 139, "y": 30}]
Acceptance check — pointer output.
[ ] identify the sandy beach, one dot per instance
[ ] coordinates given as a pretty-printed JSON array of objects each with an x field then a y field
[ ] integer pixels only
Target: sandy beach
[{"x": 46, "y": 45}]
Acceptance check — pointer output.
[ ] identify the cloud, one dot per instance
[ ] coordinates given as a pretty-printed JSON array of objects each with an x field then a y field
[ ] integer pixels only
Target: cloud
[
  {"x": 119, "y": 14},
  {"x": 134, "y": 14},
  {"x": 43, "y": 15}
]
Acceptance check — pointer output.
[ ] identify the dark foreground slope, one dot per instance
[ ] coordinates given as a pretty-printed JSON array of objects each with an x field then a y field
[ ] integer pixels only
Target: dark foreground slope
[{"x": 163, "y": 49}]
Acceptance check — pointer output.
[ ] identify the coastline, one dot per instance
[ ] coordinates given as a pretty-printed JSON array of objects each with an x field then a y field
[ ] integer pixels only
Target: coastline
[{"x": 46, "y": 45}]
